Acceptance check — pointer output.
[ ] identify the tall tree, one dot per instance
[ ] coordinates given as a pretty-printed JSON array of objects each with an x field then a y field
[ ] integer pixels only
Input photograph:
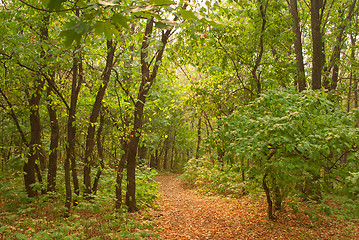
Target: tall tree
[
  {"x": 90, "y": 138},
  {"x": 300, "y": 80},
  {"x": 148, "y": 76},
  {"x": 317, "y": 41}
]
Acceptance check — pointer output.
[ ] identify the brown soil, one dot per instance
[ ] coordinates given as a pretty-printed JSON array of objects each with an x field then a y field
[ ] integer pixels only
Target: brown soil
[{"x": 186, "y": 214}]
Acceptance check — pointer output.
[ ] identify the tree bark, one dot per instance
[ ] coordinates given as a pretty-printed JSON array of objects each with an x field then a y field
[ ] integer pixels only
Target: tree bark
[
  {"x": 100, "y": 152},
  {"x": 269, "y": 200},
  {"x": 54, "y": 143},
  {"x": 317, "y": 61},
  {"x": 173, "y": 149},
  {"x": 35, "y": 140},
  {"x": 198, "y": 137},
  {"x": 165, "y": 157},
  {"x": 298, "y": 48},
  {"x": 119, "y": 176}
]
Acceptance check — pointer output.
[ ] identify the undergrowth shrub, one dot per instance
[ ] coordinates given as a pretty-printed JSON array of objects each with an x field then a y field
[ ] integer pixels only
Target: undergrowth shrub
[
  {"x": 214, "y": 178},
  {"x": 43, "y": 217}
]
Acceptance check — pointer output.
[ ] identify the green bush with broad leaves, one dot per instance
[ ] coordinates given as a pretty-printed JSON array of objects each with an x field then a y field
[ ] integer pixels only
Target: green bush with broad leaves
[{"x": 295, "y": 143}]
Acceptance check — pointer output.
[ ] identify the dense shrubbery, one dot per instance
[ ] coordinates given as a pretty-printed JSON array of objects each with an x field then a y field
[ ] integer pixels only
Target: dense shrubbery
[{"x": 288, "y": 143}]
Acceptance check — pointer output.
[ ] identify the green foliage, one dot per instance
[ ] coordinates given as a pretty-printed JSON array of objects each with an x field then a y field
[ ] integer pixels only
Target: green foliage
[
  {"x": 146, "y": 187},
  {"x": 214, "y": 178},
  {"x": 42, "y": 218},
  {"x": 289, "y": 136},
  {"x": 288, "y": 130}
]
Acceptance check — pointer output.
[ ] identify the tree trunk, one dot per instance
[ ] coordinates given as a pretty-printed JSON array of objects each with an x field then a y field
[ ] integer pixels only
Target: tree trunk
[
  {"x": 100, "y": 163},
  {"x": 277, "y": 196},
  {"x": 298, "y": 46},
  {"x": 243, "y": 175},
  {"x": 353, "y": 73},
  {"x": 35, "y": 141},
  {"x": 70, "y": 160},
  {"x": 198, "y": 137},
  {"x": 317, "y": 61},
  {"x": 256, "y": 78},
  {"x": 173, "y": 150},
  {"x": 335, "y": 59},
  {"x": 165, "y": 157},
  {"x": 90, "y": 138},
  {"x": 269, "y": 200},
  {"x": 119, "y": 177},
  {"x": 147, "y": 79},
  {"x": 132, "y": 152},
  {"x": 157, "y": 160},
  {"x": 153, "y": 161},
  {"x": 54, "y": 143}
]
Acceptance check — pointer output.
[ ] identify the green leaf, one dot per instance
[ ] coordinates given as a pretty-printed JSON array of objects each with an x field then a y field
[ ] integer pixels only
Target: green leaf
[
  {"x": 106, "y": 28},
  {"x": 70, "y": 36},
  {"x": 187, "y": 14},
  {"x": 161, "y": 25},
  {"x": 120, "y": 20},
  {"x": 55, "y": 4}
]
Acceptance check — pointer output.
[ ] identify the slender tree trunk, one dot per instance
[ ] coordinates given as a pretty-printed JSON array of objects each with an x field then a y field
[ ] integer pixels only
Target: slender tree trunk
[
  {"x": 31, "y": 178},
  {"x": 54, "y": 143},
  {"x": 198, "y": 137},
  {"x": 147, "y": 80},
  {"x": 165, "y": 157},
  {"x": 153, "y": 161},
  {"x": 335, "y": 58},
  {"x": 269, "y": 200},
  {"x": 298, "y": 45},
  {"x": 70, "y": 160},
  {"x": 173, "y": 150},
  {"x": 317, "y": 61},
  {"x": 157, "y": 160},
  {"x": 243, "y": 175},
  {"x": 35, "y": 141},
  {"x": 35, "y": 146},
  {"x": 256, "y": 78},
  {"x": 119, "y": 176},
  {"x": 350, "y": 91},
  {"x": 355, "y": 90},
  {"x": 90, "y": 138},
  {"x": 353, "y": 75},
  {"x": 99, "y": 141}
]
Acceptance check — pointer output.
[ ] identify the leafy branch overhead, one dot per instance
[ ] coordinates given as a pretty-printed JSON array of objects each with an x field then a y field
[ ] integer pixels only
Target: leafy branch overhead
[{"x": 107, "y": 18}]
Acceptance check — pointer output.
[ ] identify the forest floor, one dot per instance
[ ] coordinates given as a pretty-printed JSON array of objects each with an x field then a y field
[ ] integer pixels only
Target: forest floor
[{"x": 186, "y": 214}]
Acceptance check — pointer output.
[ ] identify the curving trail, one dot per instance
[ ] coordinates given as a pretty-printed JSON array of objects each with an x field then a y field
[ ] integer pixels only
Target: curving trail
[{"x": 186, "y": 214}]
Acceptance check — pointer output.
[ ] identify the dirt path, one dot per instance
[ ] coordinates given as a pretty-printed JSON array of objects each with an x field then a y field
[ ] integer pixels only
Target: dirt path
[{"x": 186, "y": 214}]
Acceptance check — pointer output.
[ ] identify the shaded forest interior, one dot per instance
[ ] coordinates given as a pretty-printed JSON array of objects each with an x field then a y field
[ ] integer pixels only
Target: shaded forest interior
[{"x": 243, "y": 98}]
